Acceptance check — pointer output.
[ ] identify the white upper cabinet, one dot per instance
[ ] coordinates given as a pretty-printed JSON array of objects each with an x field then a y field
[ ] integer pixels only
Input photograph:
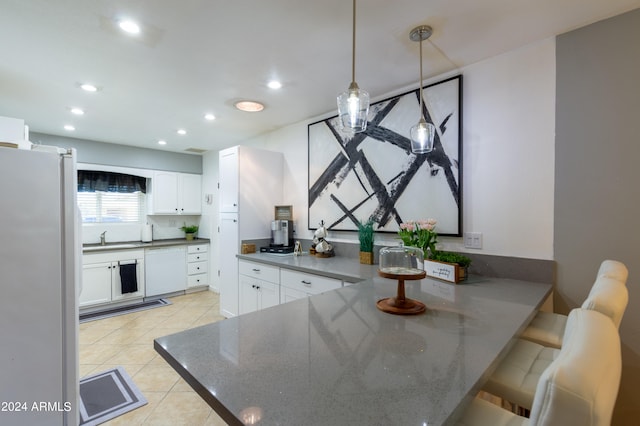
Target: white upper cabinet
[{"x": 175, "y": 193}]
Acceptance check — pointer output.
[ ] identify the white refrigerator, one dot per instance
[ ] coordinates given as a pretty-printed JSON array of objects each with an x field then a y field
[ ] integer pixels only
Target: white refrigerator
[{"x": 40, "y": 253}]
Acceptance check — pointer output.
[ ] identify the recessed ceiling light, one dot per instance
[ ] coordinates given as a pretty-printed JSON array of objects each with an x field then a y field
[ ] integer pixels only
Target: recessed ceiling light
[
  {"x": 209, "y": 117},
  {"x": 129, "y": 27},
  {"x": 77, "y": 111},
  {"x": 249, "y": 106},
  {"x": 69, "y": 127},
  {"x": 274, "y": 84},
  {"x": 162, "y": 142},
  {"x": 88, "y": 87},
  {"x": 181, "y": 132}
]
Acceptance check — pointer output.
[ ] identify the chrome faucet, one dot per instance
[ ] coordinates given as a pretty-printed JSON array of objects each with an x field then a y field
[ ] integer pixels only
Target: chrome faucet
[{"x": 102, "y": 238}]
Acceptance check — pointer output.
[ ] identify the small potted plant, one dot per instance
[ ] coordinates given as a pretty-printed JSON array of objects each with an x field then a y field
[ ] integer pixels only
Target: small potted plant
[
  {"x": 365, "y": 235},
  {"x": 459, "y": 261},
  {"x": 190, "y": 231}
]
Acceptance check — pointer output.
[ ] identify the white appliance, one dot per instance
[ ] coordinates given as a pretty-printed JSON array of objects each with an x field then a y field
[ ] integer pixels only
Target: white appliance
[
  {"x": 39, "y": 272},
  {"x": 165, "y": 270}
]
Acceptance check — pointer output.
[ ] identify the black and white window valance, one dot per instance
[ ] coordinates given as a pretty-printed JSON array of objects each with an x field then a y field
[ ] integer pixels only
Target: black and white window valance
[{"x": 92, "y": 181}]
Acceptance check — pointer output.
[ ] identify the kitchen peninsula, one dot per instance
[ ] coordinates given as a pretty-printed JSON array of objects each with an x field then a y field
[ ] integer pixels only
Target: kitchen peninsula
[{"x": 334, "y": 358}]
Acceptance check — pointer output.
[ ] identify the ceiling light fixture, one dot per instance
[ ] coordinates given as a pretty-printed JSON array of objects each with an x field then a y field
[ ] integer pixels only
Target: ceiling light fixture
[
  {"x": 181, "y": 132},
  {"x": 353, "y": 104},
  {"x": 88, "y": 87},
  {"x": 249, "y": 106},
  {"x": 77, "y": 111},
  {"x": 209, "y": 117},
  {"x": 161, "y": 142},
  {"x": 422, "y": 134},
  {"x": 69, "y": 128},
  {"x": 274, "y": 84},
  {"x": 129, "y": 27}
]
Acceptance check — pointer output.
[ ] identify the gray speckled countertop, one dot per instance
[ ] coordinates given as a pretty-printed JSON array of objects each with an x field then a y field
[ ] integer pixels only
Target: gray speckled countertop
[
  {"x": 335, "y": 359},
  {"x": 128, "y": 245},
  {"x": 342, "y": 268}
]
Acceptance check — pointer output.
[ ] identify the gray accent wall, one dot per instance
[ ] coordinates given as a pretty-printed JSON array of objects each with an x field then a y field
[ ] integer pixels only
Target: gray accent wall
[
  {"x": 597, "y": 176},
  {"x": 111, "y": 154}
]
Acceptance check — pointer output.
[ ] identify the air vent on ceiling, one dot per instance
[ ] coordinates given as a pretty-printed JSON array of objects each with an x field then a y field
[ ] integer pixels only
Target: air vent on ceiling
[{"x": 196, "y": 150}]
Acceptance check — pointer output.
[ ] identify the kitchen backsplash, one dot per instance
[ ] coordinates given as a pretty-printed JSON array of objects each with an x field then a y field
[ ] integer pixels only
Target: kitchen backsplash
[{"x": 164, "y": 228}]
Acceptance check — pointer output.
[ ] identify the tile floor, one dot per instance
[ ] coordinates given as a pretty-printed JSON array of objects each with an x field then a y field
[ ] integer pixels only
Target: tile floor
[{"x": 127, "y": 340}]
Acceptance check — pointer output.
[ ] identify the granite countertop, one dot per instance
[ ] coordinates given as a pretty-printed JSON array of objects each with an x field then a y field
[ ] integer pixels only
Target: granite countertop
[
  {"x": 128, "y": 245},
  {"x": 342, "y": 268},
  {"x": 334, "y": 358}
]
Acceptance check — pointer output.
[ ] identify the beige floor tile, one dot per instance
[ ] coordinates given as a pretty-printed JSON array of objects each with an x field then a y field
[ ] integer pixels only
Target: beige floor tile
[
  {"x": 127, "y": 341},
  {"x": 180, "y": 408},
  {"x": 88, "y": 369},
  {"x": 123, "y": 336},
  {"x": 139, "y": 415},
  {"x": 97, "y": 353},
  {"x": 93, "y": 334},
  {"x": 156, "y": 377},
  {"x": 133, "y": 354}
]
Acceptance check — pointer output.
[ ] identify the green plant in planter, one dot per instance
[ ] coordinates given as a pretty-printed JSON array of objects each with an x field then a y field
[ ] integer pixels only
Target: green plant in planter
[
  {"x": 191, "y": 229},
  {"x": 450, "y": 257},
  {"x": 365, "y": 235}
]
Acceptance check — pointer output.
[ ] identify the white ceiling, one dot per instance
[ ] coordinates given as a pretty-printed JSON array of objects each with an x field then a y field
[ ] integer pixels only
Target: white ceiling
[{"x": 197, "y": 56}]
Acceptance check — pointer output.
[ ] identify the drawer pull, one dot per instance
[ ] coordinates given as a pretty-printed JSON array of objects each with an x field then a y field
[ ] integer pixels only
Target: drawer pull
[
  {"x": 306, "y": 282},
  {"x": 256, "y": 270}
]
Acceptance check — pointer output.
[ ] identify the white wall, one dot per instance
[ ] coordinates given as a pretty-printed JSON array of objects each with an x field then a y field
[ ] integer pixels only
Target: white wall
[{"x": 508, "y": 156}]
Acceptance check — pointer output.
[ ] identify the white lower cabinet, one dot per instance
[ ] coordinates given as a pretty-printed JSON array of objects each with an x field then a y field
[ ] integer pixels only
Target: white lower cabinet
[
  {"x": 259, "y": 286},
  {"x": 101, "y": 281},
  {"x": 197, "y": 265},
  {"x": 296, "y": 285}
]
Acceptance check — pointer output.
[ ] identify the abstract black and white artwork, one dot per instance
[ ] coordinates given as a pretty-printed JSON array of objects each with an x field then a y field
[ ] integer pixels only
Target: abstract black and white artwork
[{"x": 374, "y": 175}]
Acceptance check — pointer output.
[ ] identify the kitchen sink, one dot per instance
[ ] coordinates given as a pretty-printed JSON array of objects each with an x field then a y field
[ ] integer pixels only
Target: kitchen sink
[{"x": 115, "y": 246}]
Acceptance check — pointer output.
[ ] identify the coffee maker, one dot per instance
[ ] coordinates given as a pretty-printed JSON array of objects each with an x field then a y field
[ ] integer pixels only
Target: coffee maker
[{"x": 281, "y": 233}]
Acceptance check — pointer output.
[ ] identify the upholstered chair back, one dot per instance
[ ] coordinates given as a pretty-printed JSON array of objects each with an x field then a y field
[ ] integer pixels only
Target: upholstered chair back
[
  {"x": 613, "y": 269},
  {"x": 608, "y": 296},
  {"x": 581, "y": 385}
]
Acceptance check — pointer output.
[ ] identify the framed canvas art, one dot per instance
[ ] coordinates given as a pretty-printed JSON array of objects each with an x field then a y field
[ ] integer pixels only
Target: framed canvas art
[{"x": 374, "y": 175}]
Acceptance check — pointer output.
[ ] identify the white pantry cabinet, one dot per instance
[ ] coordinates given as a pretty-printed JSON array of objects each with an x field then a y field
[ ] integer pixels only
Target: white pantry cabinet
[
  {"x": 259, "y": 286},
  {"x": 175, "y": 193},
  {"x": 250, "y": 185},
  {"x": 101, "y": 277}
]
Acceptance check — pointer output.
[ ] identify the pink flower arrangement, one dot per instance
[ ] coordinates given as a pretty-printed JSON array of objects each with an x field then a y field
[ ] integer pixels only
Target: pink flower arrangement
[{"x": 419, "y": 233}]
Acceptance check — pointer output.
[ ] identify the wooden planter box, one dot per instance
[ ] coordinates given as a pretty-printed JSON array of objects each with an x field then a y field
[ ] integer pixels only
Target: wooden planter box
[
  {"x": 451, "y": 272},
  {"x": 366, "y": 257}
]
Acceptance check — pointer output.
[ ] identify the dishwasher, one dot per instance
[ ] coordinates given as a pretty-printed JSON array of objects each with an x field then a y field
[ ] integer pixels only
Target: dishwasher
[{"x": 165, "y": 270}]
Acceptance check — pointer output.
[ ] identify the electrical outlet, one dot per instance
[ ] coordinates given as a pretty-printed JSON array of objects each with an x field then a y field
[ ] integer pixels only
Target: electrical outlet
[{"x": 473, "y": 240}]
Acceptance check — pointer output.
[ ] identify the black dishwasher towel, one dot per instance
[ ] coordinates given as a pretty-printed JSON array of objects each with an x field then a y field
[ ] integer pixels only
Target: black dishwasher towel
[{"x": 128, "y": 279}]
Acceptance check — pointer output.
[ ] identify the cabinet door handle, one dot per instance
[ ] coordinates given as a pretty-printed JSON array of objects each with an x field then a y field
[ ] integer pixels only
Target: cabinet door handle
[{"x": 306, "y": 282}]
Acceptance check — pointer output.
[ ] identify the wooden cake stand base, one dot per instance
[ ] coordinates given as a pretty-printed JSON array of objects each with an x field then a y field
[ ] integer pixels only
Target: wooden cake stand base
[{"x": 401, "y": 305}]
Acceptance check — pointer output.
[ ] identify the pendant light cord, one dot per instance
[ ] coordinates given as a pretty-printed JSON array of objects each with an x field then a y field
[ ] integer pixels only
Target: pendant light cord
[
  {"x": 421, "y": 114},
  {"x": 353, "y": 46}
]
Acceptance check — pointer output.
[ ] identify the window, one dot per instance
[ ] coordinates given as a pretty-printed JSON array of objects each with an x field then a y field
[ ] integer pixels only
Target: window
[
  {"x": 112, "y": 207},
  {"x": 111, "y": 197}
]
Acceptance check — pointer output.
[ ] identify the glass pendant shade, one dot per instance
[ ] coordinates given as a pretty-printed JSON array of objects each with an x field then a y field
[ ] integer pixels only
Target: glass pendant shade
[
  {"x": 353, "y": 108},
  {"x": 422, "y": 135}
]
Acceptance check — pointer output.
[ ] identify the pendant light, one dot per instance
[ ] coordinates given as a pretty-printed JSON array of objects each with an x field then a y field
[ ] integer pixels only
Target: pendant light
[
  {"x": 422, "y": 134},
  {"x": 353, "y": 104}
]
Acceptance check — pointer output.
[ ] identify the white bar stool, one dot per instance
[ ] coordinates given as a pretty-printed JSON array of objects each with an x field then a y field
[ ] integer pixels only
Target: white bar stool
[
  {"x": 579, "y": 387},
  {"x": 547, "y": 328}
]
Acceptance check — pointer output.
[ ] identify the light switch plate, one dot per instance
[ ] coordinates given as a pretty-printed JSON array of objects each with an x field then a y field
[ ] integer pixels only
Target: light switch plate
[{"x": 473, "y": 240}]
